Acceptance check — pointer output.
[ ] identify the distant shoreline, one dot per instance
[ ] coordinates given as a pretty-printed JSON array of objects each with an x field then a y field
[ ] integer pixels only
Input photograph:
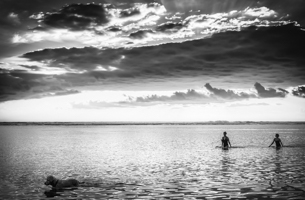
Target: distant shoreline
[{"x": 151, "y": 123}]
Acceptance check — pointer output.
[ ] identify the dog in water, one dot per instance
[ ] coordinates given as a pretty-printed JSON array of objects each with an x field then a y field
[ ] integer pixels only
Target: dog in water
[{"x": 60, "y": 184}]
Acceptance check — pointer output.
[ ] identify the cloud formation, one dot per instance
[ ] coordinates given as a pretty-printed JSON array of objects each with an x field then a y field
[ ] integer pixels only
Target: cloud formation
[
  {"x": 284, "y": 8},
  {"x": 299, "y": 91},
  {"x": 224, "y": 54},
  {"x": 269, "y": 92},
  {"x": 271, "y": 55},
  {"x": 32, "y": 25},
  {"x": 54, "y": 91},
  {"x": 228, "y": 94},
  {"x": 191, "y": 94},
  {"x": 123, "y": 42},
  {"x": 94, "y": 24},
  {"x": 189, "y": 97},
  {"x": 77, "y": 17},
  {"x": 20, "y": 84}
]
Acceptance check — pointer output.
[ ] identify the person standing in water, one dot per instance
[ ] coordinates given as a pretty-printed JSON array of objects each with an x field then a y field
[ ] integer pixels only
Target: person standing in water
[
  {"x": 277, "y": 141},
  {"x": 225, "y": 141}
]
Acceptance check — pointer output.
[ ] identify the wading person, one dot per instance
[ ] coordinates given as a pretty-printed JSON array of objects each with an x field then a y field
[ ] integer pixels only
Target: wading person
[
  {"x": 225, "y": 141},
  {"x": 277, "y": 141}
]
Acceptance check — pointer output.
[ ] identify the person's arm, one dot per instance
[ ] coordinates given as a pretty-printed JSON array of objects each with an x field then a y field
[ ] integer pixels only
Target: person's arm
[
  {"x": 271, "y": 143},
  {"x": 281, "y": 143},
  {"x": 229, "y": 142}
]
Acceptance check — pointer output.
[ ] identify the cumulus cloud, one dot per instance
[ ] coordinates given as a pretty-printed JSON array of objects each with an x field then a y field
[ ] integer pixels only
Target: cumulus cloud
[
  {"x": 216, "y": 95},
  {"x": 269, "y": 92},
  {"x": 191, "y": 94},
  {"x": 228, "y": 94},
  {"x": 299, "y": 91}
]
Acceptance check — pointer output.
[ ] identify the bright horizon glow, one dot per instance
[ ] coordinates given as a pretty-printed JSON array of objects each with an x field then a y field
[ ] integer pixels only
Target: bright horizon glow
[{"x": 62, "y": 109}]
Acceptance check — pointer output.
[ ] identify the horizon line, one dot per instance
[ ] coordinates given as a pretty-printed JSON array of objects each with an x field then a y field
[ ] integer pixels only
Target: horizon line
[{"x": 218, "y": 122}]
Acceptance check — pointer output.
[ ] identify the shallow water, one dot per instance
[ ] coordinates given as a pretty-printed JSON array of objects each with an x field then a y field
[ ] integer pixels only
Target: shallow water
[{"x": 153, "y": 162}]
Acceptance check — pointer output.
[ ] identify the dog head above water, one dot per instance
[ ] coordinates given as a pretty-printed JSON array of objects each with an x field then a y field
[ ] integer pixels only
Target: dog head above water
[{"x": 51, "y": 180}]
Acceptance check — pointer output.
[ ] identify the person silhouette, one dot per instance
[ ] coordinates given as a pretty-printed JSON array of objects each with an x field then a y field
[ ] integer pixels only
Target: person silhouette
[
  {"x": 277, "y": 141},
  {"x": 225, "y": 141}
]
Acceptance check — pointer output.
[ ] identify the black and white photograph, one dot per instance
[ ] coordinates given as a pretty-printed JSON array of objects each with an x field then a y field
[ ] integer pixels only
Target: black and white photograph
[{"x": 152, "y": 99}]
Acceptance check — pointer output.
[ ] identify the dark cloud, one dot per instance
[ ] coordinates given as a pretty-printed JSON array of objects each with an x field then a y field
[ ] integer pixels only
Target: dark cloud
[
  {"x": 269, "y": 92},
  {"x": 31, "y": 67},
  {"x": 35, "y": 6},
  {"x": 12, "y": 87},
  {"x": 169, "y": 26},
  {"x": 228, "y": 94},
  {"x": 25, "y": 75},
  {"x": 262, "y": 52},
  {"x": 16, "y": 17},
  {"x": 77, "y": 16},
  {"x": 76, "y": 58},
  {"x": 299, "y": 91},
  {"x": 19, "y": 84},
  {"x": 24, "y": 9},
  {"x": 7, "y": 30},
  {"x": 268, "y": 54},
  {"x": 19, "y": 80},
  {"x": 140, "y": 34},
  {"x": 262, "y": 92},
  {"x": 21, "y": 17}
]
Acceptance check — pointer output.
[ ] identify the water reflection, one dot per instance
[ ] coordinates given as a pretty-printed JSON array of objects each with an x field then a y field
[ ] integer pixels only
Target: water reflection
[
  {"x": 277, "y": 162},
  {"x": 143, "y": 162},
  {"x": 67, "y": 192},
  {"x": 226, "y": 163},
  {"x": 51, "y": 193}
]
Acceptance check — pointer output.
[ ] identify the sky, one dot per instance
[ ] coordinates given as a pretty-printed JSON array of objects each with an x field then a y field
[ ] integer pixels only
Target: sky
[{"x": 152, "y": 60}]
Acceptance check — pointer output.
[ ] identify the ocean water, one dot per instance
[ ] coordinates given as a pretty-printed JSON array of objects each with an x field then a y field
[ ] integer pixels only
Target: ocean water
[{"x": 152, "y": 162}]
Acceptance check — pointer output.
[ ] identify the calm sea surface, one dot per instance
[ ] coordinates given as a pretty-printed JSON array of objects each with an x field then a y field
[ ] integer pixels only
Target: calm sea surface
[{"x": 153, "y": 162}]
